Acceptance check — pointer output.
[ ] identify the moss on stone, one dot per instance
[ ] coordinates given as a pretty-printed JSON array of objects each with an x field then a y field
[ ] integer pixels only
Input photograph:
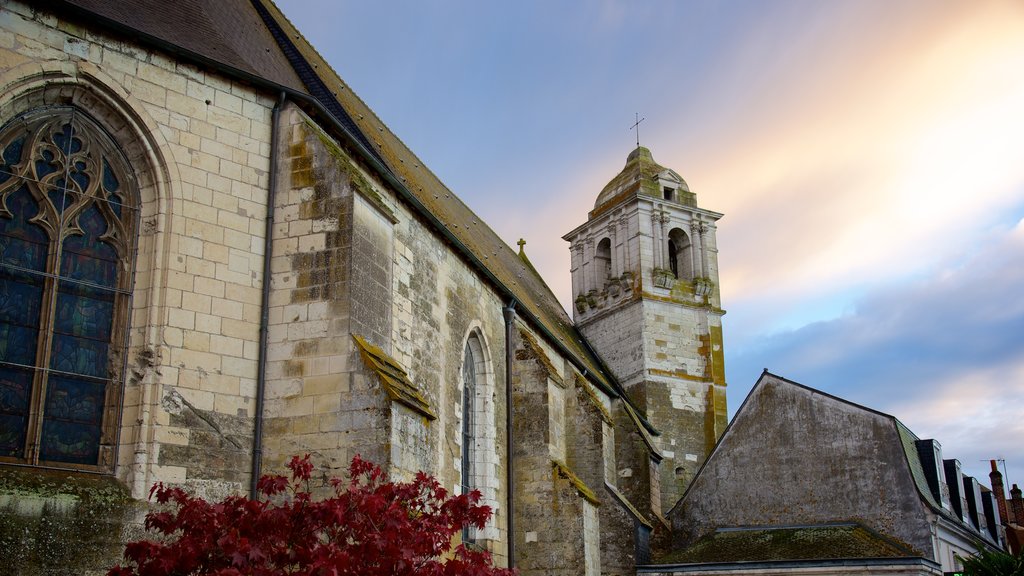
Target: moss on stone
[
  {"x": 823, "y": 542},
  {"x": 534, "y": 351},
  {"x": 57, "y": 522},
  {"x": 582, "y": 384},
  {"x": 358, "y": 181},
  {"x": 562, "y": 471}
]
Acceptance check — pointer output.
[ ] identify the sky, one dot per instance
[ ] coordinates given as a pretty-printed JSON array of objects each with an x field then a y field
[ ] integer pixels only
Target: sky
[{"x": 868, "y": 156}]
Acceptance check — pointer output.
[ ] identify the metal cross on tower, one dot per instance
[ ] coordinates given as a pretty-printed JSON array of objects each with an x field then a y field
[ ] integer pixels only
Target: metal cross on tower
[{"x": 636, "y": 125}]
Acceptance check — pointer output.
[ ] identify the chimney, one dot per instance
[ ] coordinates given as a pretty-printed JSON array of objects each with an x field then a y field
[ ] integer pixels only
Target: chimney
[
  {"x": 996, "y": 478},
  {"x": 930, "y": 454},
  {"x": 1016, "y": 515}
]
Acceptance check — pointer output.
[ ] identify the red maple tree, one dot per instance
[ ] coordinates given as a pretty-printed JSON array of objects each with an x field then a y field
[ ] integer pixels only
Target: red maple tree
[{"x": 370, "y": 527}]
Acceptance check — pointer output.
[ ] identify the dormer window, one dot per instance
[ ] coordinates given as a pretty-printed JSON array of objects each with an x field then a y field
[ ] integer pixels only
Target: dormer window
[{"x": 668, "y": 193}]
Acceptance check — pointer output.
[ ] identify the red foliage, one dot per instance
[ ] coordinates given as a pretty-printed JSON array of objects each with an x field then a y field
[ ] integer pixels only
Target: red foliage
[{"x": 370, "y": 527}]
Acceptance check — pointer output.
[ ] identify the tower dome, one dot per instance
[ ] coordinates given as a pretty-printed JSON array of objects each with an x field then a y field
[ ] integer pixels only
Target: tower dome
[{"x": 643, "y": 176}]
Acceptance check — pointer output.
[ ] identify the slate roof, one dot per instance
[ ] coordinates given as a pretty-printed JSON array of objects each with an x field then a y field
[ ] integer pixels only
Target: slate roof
[
  {"x": 253, "y": 39},
  {"x": 820, "y": 542},
  {"x": 228, "y": 33}
]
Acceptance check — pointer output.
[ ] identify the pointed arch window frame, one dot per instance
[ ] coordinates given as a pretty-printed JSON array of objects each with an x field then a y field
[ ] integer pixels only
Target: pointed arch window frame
[
  {"x": 467, "y": 424},
  {"x": 61, "y": 162}
]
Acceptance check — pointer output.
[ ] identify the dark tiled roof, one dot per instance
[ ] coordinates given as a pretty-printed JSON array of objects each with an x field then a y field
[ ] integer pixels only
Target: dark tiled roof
[
  {"x": 226, "y": 32},
  {"x": 822, "y": 542}
]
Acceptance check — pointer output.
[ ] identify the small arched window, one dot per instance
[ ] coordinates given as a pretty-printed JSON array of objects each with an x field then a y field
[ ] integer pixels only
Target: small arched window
[
  {"x": 469, "y": 390},
  {"x": 468, "y": 394},
  {"x": 478, "y": 432},
  {"x": 680, "y": 254},
  {"x": 603, "y": 261},
  {"x": 67, "y": 237}
]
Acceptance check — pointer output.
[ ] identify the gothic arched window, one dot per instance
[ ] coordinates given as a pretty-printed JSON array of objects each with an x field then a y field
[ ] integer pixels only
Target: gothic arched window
[
  {"x": 468, "y": 433},
  {"x": 476, "y": 423},
  {"x": 67, "y": 238}
]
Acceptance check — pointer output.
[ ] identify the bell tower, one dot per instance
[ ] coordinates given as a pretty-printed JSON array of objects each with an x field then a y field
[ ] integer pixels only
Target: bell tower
[{"x": 646, "y": 296}]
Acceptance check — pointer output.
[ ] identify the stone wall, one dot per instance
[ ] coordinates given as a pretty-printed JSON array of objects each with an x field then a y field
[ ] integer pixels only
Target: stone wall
[
  {"x": 320, "y": 399},
  {"x": 634, "y": 462},
  {"x": 794, "y": 456},
  {"x": 199, "y": 144},
  {"x": 351, "y": 258},
  {"x": 52, "y": 523}
]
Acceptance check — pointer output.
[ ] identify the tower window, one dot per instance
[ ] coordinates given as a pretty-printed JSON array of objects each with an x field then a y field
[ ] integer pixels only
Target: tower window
[
  {"x": 67, "y": 232},
  {"x": 680, "y": 254},
  {"x": 603, "y": 262}
]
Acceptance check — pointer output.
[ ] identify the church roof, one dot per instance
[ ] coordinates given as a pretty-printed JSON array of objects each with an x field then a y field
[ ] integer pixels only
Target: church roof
[
  {"x": 252, "y": 39},
  {"x": 226, "y": 33}
]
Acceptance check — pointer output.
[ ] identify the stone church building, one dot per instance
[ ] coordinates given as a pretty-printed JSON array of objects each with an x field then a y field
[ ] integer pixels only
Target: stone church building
[{"x": 214, "y": 256}]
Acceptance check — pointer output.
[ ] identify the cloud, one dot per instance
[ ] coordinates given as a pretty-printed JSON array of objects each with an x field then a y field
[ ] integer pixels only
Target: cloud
[
  {"x": 845, "y": 148},
  {"x": 942, "y": 353},
  {"x": 867, "y": 162}
]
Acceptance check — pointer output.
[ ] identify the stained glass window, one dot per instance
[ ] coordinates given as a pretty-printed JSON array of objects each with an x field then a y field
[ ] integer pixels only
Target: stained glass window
[{"x": 67, "y": 228}]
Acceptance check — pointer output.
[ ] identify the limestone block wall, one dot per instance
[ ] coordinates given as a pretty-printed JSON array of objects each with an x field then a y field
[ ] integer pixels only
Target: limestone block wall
[
  {"x": 673, "y": 339},
  {"x": 621, "y": 522},
  {"x": 350, "y": 258},
  {"x": 587, "y": 418},
  {"x": 439, "y": 305},
  {"x": 199, "y": 144},
  {"x": 635, "y": 464},
  {"x": 591, "y": 540},
  {"x": 592, "y": 458},
  {"x": 685, "y": 389},
  {"x": 687, "y": 433},
  {"x": 618, "y": 336},
  {"x": 331, "y": 271},
  {"x": 551, "y": 499}
]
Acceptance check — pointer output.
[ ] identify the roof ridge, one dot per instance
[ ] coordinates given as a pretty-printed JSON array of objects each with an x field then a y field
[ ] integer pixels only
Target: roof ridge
[
  {"x": 309, "y": 73},
  {"x": 337, "y": 77}
]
